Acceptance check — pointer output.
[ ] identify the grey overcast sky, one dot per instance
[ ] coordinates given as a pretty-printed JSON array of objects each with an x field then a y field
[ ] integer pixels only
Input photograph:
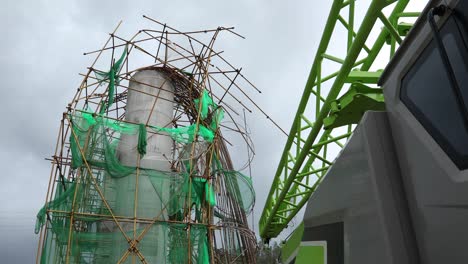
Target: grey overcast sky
[{"x": 42, "y": 46}]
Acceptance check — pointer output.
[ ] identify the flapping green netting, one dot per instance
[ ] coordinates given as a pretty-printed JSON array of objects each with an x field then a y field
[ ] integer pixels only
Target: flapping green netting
[
  {"x": 240, "y": 186},
  {"x": 201, "y": 190},
  {"x": 61, "y": 201},
  {"x": 205, "y": 103},
  {"x": 86, "y": 125},
  {"x": 186, "y": 134},
  {"x": 97, "y": 139},
  {"x": 112, "y": 77}
]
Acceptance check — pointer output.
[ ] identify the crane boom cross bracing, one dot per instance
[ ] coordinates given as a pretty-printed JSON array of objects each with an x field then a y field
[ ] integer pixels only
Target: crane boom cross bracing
[{"x": 304, "y": 159}]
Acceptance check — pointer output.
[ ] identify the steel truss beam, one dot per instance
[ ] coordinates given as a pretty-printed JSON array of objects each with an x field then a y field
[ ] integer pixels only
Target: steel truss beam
[{"x": 310, "y": 149}]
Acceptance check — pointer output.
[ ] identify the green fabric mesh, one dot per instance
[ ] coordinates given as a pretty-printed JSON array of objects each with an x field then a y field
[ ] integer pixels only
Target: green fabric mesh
[
  {"x": 217, "y": 113},
  {"x": 62, "y": 197},
  {"x": 206, "y": 102},
  {"x": 217, "y": 117},
  {"x": 101, "y": 135},
  {"x": 97, "y": 139},
  {"x": 210, "y": 194},
  {"x": 84, "y": 123},
  {"x": 94, "y": 144},
  {"x": 186, "y": 134},
  {"x": 240, "y": 186},
  {"x": 112, "y": 77},
  {"x": 142, "y": 139}
]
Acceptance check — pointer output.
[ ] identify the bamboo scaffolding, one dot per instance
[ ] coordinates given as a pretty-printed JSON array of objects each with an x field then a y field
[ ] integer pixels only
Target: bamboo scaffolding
[{"x": 195, "y": 68}]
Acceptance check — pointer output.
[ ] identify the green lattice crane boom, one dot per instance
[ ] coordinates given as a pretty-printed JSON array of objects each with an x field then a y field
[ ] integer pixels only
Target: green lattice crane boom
[{"x": 338, "y": 99}]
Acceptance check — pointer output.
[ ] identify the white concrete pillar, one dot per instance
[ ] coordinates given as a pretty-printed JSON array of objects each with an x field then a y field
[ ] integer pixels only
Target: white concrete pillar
[{"x": 139, "y": 109}]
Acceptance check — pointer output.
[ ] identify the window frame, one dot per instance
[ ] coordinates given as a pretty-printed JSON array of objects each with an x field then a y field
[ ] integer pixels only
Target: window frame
[{"x": 460, "y": 160}]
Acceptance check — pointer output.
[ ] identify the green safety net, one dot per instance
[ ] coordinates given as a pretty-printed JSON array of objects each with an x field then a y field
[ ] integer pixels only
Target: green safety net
[
  {"x": 241, "y": 188},
  {"x": 198, "y": 242},
  {"x": 94, "y": 147},
  {"x": 217, "y": 117},
  {"x": 83, "y": 122},
  {"x": 186, "y": 134},
  {"x": 181, "y": 242},
  {"x": 200, "y": 187},
  {"x": 210, "y": 194},
  {"x": 142, "y": 139},
  {"x": 87, "y": 238},
  {"x": 95, "y": 140},
  {"x": 112, "y": 77},
  {"x": 62, "y": 197},
  {"x": 205, "y": 102}
]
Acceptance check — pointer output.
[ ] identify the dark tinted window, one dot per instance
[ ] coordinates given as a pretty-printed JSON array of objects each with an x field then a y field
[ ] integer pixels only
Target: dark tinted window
[{"x": 427, "y": 92}]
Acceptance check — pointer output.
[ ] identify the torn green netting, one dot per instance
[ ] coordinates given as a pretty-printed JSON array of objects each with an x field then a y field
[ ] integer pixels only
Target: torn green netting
[
  {"x": 86, "y": 126},
  {"x": 90, "y": 135},
  {"x": 112, "y": 77},
  {"x": 186, "y": 134},
  {"x": 181, "y": 134},
  {"x": 58, "y": 202},
  {"x": 240, "y": 187},
  {"x": 95, "y": 139},
  {"x": 216, "y": 119},
  {"x": 197, "y": 191},
  {"x": 210, "y": 194},
  {"x": 97, "y": 134},
  {"x": 201, "y": 188},
  {"x": 103, "y": 134},
  {"x": 111, "y": 163},
  {"x": 142, "y": 139},
  {"x": 204, "y": 103}
]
